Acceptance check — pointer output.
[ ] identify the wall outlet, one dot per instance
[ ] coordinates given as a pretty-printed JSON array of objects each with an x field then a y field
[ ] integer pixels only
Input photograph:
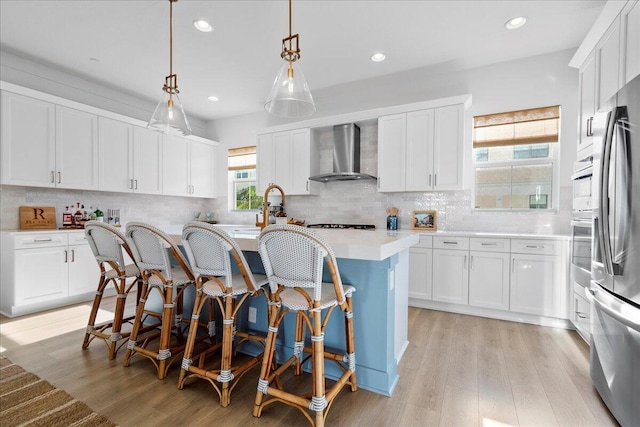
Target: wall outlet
[{"x": 252, "y": 314}]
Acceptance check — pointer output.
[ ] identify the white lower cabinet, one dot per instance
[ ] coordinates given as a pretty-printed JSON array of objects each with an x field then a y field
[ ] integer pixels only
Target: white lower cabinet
[
  {"x": 489, "y": 273},
  {"x": 451, "y": 270},
  {"x": 480, "y": 275},
  {"x": 45, "y": 270},
  {"x": 537, "y": 282},
  {"x": 420, "y": 268}
]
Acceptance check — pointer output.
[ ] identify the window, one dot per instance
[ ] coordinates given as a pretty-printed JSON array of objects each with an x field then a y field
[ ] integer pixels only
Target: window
[
  {"x": 515, "y": 159},
  {"x": 242, "y": 179}
]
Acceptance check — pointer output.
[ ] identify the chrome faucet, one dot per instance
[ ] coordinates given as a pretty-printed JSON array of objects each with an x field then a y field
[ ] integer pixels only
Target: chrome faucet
[{"x": 265, "y": 206}]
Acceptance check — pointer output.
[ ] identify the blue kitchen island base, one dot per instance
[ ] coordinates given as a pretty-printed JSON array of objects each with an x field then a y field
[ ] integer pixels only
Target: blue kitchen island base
[{"x": 380, "y": 319}]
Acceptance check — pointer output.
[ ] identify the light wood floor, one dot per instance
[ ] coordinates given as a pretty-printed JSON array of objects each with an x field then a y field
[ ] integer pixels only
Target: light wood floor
[{"x": 458, "y": 371}]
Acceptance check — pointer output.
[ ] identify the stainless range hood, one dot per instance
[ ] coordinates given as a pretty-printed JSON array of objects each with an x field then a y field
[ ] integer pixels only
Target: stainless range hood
[{"x": 346, "y": 156}]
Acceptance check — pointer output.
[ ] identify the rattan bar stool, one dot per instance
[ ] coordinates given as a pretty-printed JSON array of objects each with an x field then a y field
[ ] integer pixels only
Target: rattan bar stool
[
  {"x": 209, "y": 250},
  {"x": 151, "y": 249},
  {"x": 293, "y": 259},
  {"x": 107, "y": 245}
]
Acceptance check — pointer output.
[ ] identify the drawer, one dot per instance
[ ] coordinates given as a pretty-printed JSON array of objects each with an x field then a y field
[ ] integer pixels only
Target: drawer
[
  {"x": 425, "y": 242},
  {"x": 535, "y": 246},
  {"x": 459, "y": 243},
  {"x": 40, "y": 240},
  {"x": 581, "y": 314},
  {"x": 490, "y": 244},
  {"x": 78, "y": 238}
]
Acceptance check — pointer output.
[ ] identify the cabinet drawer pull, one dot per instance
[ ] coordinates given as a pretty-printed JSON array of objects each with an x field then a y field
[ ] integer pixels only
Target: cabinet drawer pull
[
  {"x": 59, "y": 177},
  {"x": 53, "y": 177},
  {"x": 535, "y": 247},
  {"x": 66, "y": 256},
  {"x": 130, "y": 184},
  {"x": 580, "y": 315},
  {"x": 136, "y": 186},
  {"x": 73, "y": 255},
  {"x": 48, "y": 239},
  {"x": 450, "y": 243},
  {"x": 488, "y": 244},
  {"x": 513, "y": 265}
]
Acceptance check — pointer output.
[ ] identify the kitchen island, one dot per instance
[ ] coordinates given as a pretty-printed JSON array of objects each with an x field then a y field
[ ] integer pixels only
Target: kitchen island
[{"x": 376, "y": 262}]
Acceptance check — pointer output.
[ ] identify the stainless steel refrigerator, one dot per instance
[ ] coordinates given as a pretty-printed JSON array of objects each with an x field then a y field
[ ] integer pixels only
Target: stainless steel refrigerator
[{"x": 615, "y": 267}]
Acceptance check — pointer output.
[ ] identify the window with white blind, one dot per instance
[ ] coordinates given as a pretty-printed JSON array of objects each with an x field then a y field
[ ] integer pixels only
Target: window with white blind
[
  {"x": 242, "y": 179},
  {"x": 516, "y": 159}
]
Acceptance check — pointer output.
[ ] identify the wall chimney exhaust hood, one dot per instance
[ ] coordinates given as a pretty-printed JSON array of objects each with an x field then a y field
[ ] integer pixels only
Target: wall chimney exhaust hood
[{"x": 346, "y": 156}]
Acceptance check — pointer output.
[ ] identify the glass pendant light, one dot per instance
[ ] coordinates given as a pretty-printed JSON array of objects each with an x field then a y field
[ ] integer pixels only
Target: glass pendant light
[
  {"x": 169, "y": 116},
  {"x": 290, "y": 95}
]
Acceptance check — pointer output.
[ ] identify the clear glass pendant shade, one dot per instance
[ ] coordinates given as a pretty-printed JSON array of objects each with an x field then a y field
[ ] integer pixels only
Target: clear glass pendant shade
[
  {"x": 169, "y": 117},
  {"x": 290, "y": 95}
]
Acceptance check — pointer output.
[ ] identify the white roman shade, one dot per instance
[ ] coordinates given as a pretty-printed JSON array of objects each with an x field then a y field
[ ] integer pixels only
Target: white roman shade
[
  {"x": 242, "y": 158},
  {"x": 533, "y": 126}
]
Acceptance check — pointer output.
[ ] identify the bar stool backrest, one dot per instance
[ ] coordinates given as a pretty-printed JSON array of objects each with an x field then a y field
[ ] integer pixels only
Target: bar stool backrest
[
  {"x": 294, "y": 256},
  {"x": 151, "y": 248},
  {"x": 107, "y": 243},
  {"x": 209, "y": 249}
]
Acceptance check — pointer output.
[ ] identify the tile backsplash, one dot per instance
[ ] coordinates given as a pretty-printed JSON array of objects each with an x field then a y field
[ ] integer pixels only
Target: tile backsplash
[{"x": 159, "y": 210}]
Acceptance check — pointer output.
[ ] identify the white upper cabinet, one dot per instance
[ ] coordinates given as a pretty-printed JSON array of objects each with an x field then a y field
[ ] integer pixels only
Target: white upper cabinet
[
  {"x": 130, "y": 157},
  {"x": 587, "y": 84},
  {"x": 630, "y": 20},
  {"x": 116, "y": 151},
  {"x": 147, "y": 161},
  {"x": 76, "y": 149},
  {"x": 287, "y": 159},
  {"x": 188, "y": 168},
  {"x": 45, "y": 145},
  {"x": 448, "y": 147},
  {"x": 28, "y": 141},
  {"x": 392, "y": 149},
  {"x": 608, "y": 63},
  {"x": 201, "y": 167},
  {"x": 421, "y": 150}
]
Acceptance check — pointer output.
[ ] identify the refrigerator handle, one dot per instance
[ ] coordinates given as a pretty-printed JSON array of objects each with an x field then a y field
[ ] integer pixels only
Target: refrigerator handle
[
  {"x": 603, "y": 208},
  {"x": 631, "y": 319}
]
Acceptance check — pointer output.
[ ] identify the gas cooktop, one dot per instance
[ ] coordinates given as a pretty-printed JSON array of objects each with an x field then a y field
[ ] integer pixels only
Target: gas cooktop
[{"x": 342, "y": 226}]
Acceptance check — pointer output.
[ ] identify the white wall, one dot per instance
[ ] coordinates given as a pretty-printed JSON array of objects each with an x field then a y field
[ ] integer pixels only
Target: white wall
[{"x": 526, "y": 83}]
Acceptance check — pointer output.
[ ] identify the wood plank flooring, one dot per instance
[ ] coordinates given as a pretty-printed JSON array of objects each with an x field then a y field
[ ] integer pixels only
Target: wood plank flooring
[{"x": 457, "y": 371}]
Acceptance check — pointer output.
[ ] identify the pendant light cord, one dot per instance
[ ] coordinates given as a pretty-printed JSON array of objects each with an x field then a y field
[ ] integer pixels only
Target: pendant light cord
[
  {"x": 171, "y": 36},
  {"x": 290, "y": 32}
]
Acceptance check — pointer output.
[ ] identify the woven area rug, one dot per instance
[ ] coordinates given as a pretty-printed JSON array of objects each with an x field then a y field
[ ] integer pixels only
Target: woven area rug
[{"x": 27, "y": 400}]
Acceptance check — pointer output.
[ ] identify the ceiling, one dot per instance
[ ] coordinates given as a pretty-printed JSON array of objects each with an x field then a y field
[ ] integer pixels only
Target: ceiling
[{"x": 125, "y": 44}]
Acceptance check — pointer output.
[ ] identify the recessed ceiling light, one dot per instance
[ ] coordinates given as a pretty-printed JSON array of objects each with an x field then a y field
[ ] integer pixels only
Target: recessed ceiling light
[
  {"x": 202, "y": 25},
  {"x": 213, "y": 98},
  {"x": 378, "y": 57},
  {"x": 514, "y": 23}
]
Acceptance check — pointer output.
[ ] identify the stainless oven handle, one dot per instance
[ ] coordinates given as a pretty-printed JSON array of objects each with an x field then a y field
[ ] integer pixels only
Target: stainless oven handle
[{"x": 581, "y": 223}]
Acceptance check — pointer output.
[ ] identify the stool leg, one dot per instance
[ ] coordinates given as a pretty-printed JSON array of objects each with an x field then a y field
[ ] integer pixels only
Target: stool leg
[
  {"x": 165, "y": 333},
  {"x": 269, "y": 351},
  {"x": 199, "y": 302},
  {"x": 317, "y": 368},
  {"x": 349, "y": 335},
  {"x": 137, "y": 321},
  {"x": 121, "y": 299},
  {"x": 299, "y": 345},
  {"x": 227, "y": 348},
  {"x": 94, "y": 311}
]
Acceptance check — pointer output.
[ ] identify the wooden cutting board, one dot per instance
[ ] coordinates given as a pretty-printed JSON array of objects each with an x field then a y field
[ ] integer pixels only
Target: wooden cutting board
[{"x": 37, "y": 218}]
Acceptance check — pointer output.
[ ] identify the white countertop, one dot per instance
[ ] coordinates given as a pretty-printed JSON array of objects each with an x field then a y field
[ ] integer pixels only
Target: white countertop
[{"x": 371, "y": 245}]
